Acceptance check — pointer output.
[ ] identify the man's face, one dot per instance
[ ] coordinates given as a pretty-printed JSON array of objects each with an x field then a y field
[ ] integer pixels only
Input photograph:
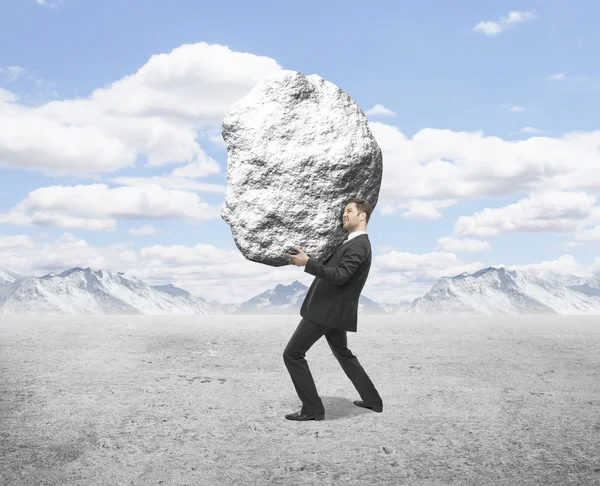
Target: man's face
[{"x": 351, "y": 217}]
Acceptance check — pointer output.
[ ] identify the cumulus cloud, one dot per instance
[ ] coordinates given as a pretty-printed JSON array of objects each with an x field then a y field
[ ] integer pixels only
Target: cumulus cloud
[
  {"x": 418, "y": 209},
  {"x": 7, "y": 97},
  {"x": 565, "y": 264},
  {"x": 589, "y": 230},
  {"x": 170, "y": 182},
  {"x": 183, "y": 177},
  {"x": 495, "y": 27},
  {"x": 557, "y": 211},
  {"x": 215, "y": 137},
  {"x": 437, "y": 168},
  {"x": 380, "y": 110},
  {"x": 397, "y": 275},
  {"x": 556, "y": 77},
  {"x": 26, "y": 256},
  {"x": 98, "y": 207},
  {"x": 15, "y": 242},
  {"x": 587, "y": 235},
  {"x": 201, "y": 167},
  {"x": 516, "y": 109},
  {"x": 156, "y": 112}
]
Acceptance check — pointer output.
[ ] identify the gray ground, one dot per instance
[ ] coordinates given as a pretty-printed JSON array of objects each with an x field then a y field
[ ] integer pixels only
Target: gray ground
[{"x": 201, "y": 401}]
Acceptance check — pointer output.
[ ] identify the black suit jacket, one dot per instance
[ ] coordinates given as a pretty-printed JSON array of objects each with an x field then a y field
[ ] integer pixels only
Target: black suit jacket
[{"x": 332, "y": 299}]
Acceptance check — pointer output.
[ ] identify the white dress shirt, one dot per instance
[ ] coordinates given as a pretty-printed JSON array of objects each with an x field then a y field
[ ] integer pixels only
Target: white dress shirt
[{"x": 355, "y": 233}]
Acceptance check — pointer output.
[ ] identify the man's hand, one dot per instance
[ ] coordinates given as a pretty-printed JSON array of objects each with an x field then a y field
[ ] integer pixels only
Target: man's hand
[{"x": 300, "y": 259}]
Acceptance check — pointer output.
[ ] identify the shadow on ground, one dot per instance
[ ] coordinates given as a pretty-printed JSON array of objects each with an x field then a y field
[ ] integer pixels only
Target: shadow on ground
[{"x": 341, "y": 407}]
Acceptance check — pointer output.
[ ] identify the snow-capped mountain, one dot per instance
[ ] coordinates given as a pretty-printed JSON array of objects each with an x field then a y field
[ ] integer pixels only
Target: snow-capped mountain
[
  {"x": 501, "y": 291},
  {"x": 175, "y": 291},
  {"x": 80, "y": 291},
  {"x": 7, "y": 277},
  {"x": 487, "y": 291},
  {"x": 279, "y": 300},
  {"x": 8, "y": 283},
  {"x": 288, "y": 299},
  {"x": 87, "y": 291}
]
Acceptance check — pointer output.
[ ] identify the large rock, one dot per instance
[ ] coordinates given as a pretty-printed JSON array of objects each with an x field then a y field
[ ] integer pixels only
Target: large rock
[{"x": 298, "y": 148}]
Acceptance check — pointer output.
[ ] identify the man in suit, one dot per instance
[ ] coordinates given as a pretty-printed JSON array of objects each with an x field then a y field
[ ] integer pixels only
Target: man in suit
[{"x": 330, "y": 308}]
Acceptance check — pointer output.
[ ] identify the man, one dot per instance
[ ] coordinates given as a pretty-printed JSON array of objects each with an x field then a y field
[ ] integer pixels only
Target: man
[{"x": 330, "y": 309}]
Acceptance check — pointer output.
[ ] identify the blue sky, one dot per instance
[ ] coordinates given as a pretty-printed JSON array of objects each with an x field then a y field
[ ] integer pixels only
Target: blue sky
[{"x": 487, "y": 114}]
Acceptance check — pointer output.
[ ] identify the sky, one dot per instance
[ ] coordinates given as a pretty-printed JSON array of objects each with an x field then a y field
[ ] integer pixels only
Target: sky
[{"x": 111, "y": 154}]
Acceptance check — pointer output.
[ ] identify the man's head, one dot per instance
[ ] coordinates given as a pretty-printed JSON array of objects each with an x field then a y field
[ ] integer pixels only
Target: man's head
[{"x": 356, "y": 214}]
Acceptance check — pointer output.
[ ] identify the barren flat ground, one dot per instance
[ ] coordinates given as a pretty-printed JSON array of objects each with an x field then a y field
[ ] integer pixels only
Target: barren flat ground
[{"x": 200, "y": 400}]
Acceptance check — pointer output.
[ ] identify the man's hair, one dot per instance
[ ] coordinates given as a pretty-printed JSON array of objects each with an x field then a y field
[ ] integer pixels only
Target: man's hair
[{"x": 362, "y": 205}]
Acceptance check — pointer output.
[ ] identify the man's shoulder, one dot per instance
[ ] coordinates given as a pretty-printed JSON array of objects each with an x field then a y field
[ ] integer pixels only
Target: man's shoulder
[
  {"x": 360, "y": 241},
  {"x": 363, "y": 238}
]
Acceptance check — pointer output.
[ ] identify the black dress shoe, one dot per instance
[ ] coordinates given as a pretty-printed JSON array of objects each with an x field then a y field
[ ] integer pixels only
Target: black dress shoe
[
  {"x": 300, "y": 415},
  {"x": 375, "y": 408}
]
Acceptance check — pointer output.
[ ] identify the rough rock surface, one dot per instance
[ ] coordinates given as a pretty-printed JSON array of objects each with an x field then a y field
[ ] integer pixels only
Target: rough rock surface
[{"x": 298, "y": 149}]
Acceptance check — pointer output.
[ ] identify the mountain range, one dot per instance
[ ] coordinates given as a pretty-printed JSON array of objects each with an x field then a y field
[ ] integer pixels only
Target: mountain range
[{"x": 490, "y": 291}]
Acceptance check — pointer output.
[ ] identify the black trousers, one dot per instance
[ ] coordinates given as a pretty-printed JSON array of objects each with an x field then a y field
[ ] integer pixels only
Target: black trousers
[{"x": 307, "y": 333}]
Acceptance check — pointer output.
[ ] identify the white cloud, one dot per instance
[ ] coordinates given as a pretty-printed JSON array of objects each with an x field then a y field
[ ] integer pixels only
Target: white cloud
[
  {"x": 516, "y": 109},
  {"x": 12, "y": 73},
  {"x": 488, "y": 28},
  {"x": 495, "y": 27},
  {"x": 144, "y": 230},
  {"x": 170, "y": 182},
  {"x": 443, "y": 165},
  {"x": 397, "y": 275},
  {"x": 556, "y": 211},
  {"x": 98, "y": 207},
  {"x": 418, "y": 209},
  {"x": 28, "y": 141},
  {"x": 563, "y": 264},
  {"x": 7, "y": 97},
  {"x": 203, "y": 166},
  {"x": 50, "y": 3},
  {"x": 380, "y": 110},
  {"x": 557, "y": 76},
  {"x": 156, "y": 112},
  {"x": 29, "y": 257},
  {"x": 215, "y": 136},
  {"x": 589, "y": 230},
  {"x": 585, "y": 235},
  {"x": 531, "y": 130},
  {"x": 15, "y": 242},
  {"x": 455, "y": 245}
]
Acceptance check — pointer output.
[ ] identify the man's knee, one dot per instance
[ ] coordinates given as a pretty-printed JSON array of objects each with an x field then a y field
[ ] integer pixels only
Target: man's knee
[
  {"x": 290, "y": 354},
  {"x": 342, "y": 353}
]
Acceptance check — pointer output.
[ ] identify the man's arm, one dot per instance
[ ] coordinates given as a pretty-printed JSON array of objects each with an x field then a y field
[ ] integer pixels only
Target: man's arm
[{"x": 340, "y": 274}]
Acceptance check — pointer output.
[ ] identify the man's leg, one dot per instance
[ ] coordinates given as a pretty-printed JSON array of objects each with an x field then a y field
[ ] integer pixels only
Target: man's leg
[
  {"x": 307, "y": 333},
  {"x": 338, "y": 343}
]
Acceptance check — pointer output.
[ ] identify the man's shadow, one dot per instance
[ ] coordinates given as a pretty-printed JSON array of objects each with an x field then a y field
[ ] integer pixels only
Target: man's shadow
[{"x": 340, "y": 407}]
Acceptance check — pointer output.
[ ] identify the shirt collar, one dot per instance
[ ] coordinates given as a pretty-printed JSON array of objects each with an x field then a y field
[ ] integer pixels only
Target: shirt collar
[{"x": 355, "y": 234}]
